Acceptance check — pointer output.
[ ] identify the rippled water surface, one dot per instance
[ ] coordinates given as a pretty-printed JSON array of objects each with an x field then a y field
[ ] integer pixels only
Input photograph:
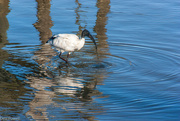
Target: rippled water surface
[{"x": 135, "y": 74}]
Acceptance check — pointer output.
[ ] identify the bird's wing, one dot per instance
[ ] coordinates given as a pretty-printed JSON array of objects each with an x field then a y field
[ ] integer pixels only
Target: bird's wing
[{"x": 66, "y": 42}]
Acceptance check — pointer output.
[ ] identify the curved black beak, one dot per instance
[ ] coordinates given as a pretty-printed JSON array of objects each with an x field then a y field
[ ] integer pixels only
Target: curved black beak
[{"x": 91, "y": 37}]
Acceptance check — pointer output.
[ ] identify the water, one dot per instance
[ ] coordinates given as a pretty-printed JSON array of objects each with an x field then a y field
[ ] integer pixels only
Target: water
[{"x": 134, "y": 76}]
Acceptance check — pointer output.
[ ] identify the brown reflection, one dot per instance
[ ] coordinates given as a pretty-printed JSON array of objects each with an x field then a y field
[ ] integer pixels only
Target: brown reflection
[
  {"x": 100, "y": 74},
  {"x": 44, "y": 22},
  {"x": 4, "y": 25},
  {"x": 43, "y": 25},
  {"x": 42, "y": 98},
  {"x": 78, "y": 15},
  {"x": 4, "y": 10},
  {"x": 11, "y": 89},
  {"x": 100, "y": 27}
]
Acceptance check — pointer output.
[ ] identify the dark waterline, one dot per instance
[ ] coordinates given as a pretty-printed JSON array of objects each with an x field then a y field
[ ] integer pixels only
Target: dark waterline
[{"x": 134, "y": 76}]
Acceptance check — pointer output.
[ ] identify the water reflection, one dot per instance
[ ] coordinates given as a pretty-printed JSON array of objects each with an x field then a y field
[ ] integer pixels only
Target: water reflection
[
  {"x": 4, "y": 10},
  {"x": 12, "y": 90},
  {"x": 69, "y": 87},
  {"x": 42, "y": 97},
  {"x": 76, "y": 92},
  {"x": 101, "y": 21},
  {"x": 65, "y": 81},
  {"x": 78, "y": 15},
  {"x": 35, "y": 84},
  {"x": 44, "y": 22},
  {"x": 100, "y": 27}
]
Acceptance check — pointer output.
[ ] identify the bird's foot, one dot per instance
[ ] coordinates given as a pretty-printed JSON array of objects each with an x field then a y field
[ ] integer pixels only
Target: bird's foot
[
  {"x": 66, "y": 60},
  {"x": 63, "y": 59}
]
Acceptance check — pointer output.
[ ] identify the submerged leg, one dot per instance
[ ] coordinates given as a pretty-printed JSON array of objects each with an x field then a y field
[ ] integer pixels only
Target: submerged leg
[
  {"x": 62, "y": 58},
  {"x": 68, "y": 56}
]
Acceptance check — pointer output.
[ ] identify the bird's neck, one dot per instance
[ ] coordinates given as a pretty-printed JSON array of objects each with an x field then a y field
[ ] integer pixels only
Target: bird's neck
[
  {"x": 81, "y": 43},
  {"x": 82, "y": 39}
]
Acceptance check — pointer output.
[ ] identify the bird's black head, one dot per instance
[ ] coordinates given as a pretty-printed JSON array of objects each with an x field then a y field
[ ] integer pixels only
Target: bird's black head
[{"x": 85, "y": 32}]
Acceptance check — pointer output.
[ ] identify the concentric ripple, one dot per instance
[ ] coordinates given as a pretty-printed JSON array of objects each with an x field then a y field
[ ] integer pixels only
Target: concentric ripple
[{"x": 146, "y": 60}]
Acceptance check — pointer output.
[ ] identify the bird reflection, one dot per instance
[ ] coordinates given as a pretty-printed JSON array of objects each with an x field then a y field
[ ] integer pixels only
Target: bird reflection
[
  {"x": 74, "y": 91},
  {"x": 69, "y": 84},
  {"x": 66, "y": 83}
]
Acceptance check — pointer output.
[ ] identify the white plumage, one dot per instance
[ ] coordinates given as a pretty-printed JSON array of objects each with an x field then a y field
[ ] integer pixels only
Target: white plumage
[{"x": 69, "y": 42}]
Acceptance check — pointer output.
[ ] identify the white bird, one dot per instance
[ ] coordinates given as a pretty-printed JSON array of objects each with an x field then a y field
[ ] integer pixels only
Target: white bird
[{"x": 69, "y": 42}]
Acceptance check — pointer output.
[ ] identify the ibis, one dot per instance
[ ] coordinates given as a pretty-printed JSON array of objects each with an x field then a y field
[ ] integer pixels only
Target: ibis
[{"x": 69, "y": 42}]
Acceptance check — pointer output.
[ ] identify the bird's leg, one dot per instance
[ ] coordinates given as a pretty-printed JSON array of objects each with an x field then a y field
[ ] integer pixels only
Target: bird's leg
[
  {"x": 67, "y": 56},
  {"x": 62, "y": 58}
]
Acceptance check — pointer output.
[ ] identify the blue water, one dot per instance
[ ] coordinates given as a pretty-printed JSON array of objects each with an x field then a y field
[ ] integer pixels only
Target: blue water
[{"x": 135, "y": 74}]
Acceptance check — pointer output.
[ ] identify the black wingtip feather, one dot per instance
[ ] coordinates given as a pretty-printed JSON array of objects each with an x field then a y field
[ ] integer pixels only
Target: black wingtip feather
[{"x": 51, "y": 38}]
